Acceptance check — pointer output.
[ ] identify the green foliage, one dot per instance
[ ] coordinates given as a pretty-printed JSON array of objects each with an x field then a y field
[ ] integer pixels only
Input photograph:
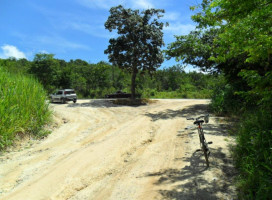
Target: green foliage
[
  {"x": 97, "y": 80},
  {"x": 15, "y": 66},
  {"x": 254, "y": 142},
  {"x": 137, "y": 48},
  {"x": 235, "y": 38},
  {"x": 261, "y": 87},
  {"x": 195, "y": 49},
  {"x": 23, "y": 107},
  {"x": 46, "y": 69},
  {"x": 253, "y": 155},
  {"x": 173, "y": 82},
  {"x": 245, "y": 28},
  {"x": 224, "y": 100}
]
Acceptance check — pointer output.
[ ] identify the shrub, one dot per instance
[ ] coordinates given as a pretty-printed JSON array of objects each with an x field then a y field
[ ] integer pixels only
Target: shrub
[
  {"x": 253, "y": 155},
  {"x": 224, "y": 100}
]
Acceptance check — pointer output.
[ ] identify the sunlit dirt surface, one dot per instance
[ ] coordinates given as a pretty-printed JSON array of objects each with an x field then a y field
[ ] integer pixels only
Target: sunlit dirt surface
[{"x": 103, "y": 151}]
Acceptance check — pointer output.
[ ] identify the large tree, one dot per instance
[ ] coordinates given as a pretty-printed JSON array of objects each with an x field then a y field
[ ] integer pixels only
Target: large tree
[{"x": 138, "y": 46}]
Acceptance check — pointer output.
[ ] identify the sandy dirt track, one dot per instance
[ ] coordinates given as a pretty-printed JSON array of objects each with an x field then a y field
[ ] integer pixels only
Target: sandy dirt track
[{"x": 103, "y": 151}]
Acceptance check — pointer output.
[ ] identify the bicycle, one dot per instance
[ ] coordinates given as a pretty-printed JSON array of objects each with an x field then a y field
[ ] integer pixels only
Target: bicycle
[{"x": 203, "y": 143}]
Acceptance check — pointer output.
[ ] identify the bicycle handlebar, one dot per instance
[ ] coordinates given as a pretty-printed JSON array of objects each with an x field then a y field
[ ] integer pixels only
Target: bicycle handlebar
[{"x": 206, "y": 118}]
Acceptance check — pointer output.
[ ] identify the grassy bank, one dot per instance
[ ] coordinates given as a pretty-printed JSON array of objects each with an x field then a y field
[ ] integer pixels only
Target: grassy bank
[
  {"x": 23, "y": 107},
  {"x": 253, "y": 150}
]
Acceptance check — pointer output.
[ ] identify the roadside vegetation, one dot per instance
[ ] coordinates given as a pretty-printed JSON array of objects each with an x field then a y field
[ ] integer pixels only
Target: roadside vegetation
[
  {"x": 23, "y": 107},
  {"x": 23, "y": 98},
  {"x": 234, "y": 38},
  {"x": 96, "y": 80},
  {"x": 232, "y": 44}
]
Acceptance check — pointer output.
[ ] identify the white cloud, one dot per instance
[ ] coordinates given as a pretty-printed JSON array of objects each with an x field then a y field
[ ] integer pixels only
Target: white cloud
[
  {"x": 60, "y": 42},
  {"x": 171, "y": 16},
  {"x": 44, "y": 51},
  {"x": 96, "y": 30},
  {"x": 107, "y": 4},
  {"x": 102, "y": 4},
  {"x": 142, "y": 4},
  {"x": 11, "y": 51},
  {"x": 179, "y": 29}
]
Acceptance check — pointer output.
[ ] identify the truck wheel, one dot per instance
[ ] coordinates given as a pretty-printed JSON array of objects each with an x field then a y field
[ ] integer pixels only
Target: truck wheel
[
  {"x": 74, "y": 101},
  {"x": 63, "y": 101}
]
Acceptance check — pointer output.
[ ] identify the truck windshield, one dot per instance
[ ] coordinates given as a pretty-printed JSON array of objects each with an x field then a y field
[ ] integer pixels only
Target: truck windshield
[{"x": 70, "y": 92}]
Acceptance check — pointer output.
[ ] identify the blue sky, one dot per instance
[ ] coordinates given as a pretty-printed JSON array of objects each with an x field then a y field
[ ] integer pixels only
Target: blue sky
[{"x": 74, "y": 29}]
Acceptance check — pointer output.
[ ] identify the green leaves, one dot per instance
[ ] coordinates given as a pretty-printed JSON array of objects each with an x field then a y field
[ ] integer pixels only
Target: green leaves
[
  {"x": 195, "y": 49},
  {"x": 46, "y": 69},
  {"x": 140, "y": 38},
  {"x": 245, "y": 28},
  {"x": 23, "y": 106}
]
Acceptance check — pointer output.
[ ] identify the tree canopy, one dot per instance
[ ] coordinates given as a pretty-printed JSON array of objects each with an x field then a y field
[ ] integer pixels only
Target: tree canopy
[{"x": 245, "y": 28}]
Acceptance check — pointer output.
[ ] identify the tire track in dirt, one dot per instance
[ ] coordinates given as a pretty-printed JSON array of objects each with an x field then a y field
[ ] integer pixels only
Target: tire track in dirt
[{"x": 104, "y": 151}]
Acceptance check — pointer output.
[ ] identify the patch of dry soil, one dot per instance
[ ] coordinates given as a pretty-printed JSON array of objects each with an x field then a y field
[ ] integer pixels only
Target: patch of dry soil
[{"x": 104, "y": 151}]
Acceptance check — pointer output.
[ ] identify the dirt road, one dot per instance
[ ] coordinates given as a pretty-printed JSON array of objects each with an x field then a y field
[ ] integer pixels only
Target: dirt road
[{"x": 104, "y": 151}]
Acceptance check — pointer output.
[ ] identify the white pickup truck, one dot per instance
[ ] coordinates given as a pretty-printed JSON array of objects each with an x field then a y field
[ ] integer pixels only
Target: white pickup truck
[{"x": 63, "y": 96}]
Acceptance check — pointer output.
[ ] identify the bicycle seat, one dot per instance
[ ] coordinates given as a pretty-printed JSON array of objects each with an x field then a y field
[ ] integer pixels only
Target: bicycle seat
[{"x": 198, "y": 121}]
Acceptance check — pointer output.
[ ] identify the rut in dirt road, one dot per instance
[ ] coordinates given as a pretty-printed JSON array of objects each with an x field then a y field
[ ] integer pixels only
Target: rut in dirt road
[{"x": 104, "y": 151}]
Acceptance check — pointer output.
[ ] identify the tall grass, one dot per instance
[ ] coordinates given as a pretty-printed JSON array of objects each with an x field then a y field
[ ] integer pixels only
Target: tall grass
[
  {"x": 23, "y": 107},
  {"x": 253, "y": 155}
]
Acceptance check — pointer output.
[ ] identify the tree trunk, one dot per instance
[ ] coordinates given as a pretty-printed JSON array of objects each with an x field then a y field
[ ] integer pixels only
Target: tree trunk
[
  {"x": 133, "y": 83},
  {"x": 113, "y": 81}
]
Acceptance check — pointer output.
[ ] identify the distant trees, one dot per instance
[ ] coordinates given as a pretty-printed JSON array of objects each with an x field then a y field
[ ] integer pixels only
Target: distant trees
[
  {"x": 96, "y": 80},
  {"x": 137, "y": 48},
  {"x": 46, "y": 69}
]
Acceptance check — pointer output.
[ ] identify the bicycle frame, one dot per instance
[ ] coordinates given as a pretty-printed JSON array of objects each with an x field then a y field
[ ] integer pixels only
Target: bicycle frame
[
  {"x": 203, "y": 143},
  {"x": 201, "y": 134}
]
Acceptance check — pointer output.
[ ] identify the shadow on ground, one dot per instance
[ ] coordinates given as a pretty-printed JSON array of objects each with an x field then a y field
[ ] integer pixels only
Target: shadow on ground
[
  {"x": 96, "y": 103},
  {"x": 193, "y": 111},
  {"x": 191, "y": 182},
  {"x": 190, "y": 111},
  {"x": 219, "y": 129},
  {"x": 196, "y": 181},
  {"x": 108, "y": 103}
]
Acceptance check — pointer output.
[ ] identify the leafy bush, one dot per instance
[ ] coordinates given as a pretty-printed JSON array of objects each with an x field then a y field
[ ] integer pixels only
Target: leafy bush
[
  {"x": 23, "y": 107},
  {"x": 224, "y": 100},
  {"x": 253, "y": 155},
  {"x": 190, "y": 94},
  {"x": 254, "y": 141},
  {"x": 253, "y": 152}
]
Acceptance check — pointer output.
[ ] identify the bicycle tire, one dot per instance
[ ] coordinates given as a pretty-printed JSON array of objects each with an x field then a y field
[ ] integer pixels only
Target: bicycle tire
[
  {"x": 204, "y": 147},
  {"x": 206, "y": 156}
]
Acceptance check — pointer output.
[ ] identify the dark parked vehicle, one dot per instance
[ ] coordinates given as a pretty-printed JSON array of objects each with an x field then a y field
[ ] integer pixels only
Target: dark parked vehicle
[{"x": 118, "y": 94}]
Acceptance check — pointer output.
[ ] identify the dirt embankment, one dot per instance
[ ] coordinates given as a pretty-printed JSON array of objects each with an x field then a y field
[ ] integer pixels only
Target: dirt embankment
[{"x": 104, "y": 151}]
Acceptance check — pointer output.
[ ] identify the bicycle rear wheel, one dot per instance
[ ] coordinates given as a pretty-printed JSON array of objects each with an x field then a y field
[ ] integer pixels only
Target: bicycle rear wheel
[{"x": 205, "y": 149}]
